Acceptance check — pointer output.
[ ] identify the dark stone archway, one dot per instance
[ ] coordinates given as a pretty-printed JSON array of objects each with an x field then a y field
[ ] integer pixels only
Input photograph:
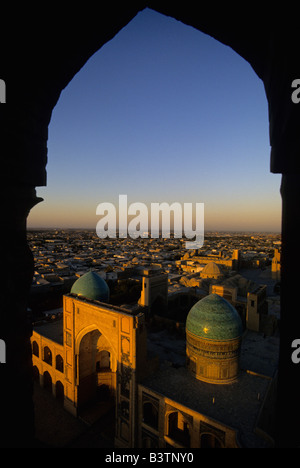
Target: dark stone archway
[{"x": 41, "y": 50}]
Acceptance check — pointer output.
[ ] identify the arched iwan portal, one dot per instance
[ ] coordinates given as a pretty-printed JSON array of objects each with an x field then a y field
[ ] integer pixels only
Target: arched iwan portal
[{"x": 96, "y": 376}]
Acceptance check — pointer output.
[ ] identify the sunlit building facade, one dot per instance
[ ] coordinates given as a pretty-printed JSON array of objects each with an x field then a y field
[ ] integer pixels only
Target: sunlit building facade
[{"x": 97, "y": 354}]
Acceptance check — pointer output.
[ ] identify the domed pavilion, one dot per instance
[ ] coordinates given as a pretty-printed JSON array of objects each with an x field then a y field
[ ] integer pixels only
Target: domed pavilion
[{"x": 212, "y": 270}]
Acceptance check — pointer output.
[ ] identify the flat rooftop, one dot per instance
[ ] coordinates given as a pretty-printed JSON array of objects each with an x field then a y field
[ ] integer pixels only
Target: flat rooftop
[
  {"x": 238, "y": 404},
  {"x": 52, "y": 330}
]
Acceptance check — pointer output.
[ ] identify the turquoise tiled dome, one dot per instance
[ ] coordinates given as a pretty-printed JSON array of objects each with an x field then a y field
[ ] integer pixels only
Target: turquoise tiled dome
[
  {"x": 91, "y": 286},
  {"x": 214, "y": 318}
]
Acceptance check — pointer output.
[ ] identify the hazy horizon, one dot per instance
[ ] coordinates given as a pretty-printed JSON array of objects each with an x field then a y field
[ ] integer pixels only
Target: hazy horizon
[{"x": 221, "y": 231}]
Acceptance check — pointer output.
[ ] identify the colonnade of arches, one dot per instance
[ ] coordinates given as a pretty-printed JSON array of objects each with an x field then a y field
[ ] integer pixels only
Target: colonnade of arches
[
  {"x": 177, "y": 429},
  {"x": 47, "y": 381},
  {"x": 47, "y": 356}
]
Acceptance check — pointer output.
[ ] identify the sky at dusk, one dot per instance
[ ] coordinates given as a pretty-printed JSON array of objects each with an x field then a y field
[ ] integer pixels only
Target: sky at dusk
[{"x": 161, "y": 113}]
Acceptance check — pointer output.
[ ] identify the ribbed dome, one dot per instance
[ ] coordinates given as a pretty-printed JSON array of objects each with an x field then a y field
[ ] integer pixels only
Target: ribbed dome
[
  {"x": 214, "y": 318},
  {"x": 211, "y": 270},
  {"x": 91, "y": 286}
]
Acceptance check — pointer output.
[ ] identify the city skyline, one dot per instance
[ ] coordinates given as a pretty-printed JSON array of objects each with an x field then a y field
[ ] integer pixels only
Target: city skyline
[{"x": 162, "y": 113}]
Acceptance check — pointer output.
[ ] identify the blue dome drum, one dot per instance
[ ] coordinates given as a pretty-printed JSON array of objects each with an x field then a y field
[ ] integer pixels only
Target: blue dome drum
[{"x": 213, "y": 336}]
